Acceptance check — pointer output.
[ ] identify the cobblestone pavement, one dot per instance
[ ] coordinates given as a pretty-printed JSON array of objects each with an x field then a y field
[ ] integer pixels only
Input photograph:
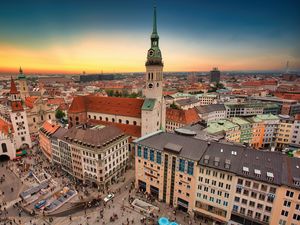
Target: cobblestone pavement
[{"x": 119, "y": 207}]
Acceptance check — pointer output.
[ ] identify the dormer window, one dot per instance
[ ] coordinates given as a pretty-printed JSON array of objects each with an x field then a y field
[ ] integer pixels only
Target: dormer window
[
  {"x": 245, "y": 170},
  {"x": 270, "y": 176},
  {"x": 206, "y": 159},
  {"x": 217, "y": 161},
  {"x": 257, "y": 172},
  {"x": 296, "y": 181}
]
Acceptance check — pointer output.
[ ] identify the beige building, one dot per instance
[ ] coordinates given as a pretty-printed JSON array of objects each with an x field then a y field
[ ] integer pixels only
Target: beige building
[
  {"x": 38, "y": 112},
  {"x": 287, "y": 201},
  {"x": 218, "y": 183},
  {"x": 284, "y": 131},
  {"x": 95, "y": 155}
]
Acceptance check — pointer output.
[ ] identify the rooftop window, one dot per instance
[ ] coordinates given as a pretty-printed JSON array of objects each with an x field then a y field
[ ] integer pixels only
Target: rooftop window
[
  {"x": 245, "y": 169},
  {"x": 257, "y": 172}
]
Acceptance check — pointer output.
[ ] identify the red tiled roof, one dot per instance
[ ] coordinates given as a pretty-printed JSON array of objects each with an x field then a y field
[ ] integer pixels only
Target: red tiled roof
[
  {"x": 29, "y": 101},
  {"x": 131, "y": 130},
  {"x": 169, "y": 92},
  {"x": 13, "y": 87},
  {"x": 16, "y": 106},
  {"x": 5, "y": 127},
  {"x": 259, "y": 82},
  {"x": 48, "y": 127},
  {"x": 63, "y": 106},
  {"x": 182, "y": 116},
  {"x": 109, "y": 105},
  {"x": 55, "y": 101}
]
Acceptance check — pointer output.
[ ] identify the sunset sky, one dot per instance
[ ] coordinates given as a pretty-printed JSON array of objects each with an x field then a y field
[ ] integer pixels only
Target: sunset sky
[{"x": 113, "y": 35}]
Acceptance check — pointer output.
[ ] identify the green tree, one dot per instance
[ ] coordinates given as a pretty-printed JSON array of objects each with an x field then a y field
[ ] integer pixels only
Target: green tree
[
  {"x": 110, "y": 92},
  {"x": 174, "y": 106},
  {"x": 59, "y": 114}
]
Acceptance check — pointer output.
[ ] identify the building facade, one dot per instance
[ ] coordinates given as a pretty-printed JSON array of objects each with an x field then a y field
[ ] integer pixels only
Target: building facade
[
  {"x": 215, "y": 76},
  {"x": 45, "y": 134},
  {"x": 295, "y": 136},
  {"x": 97, "y": 155},
  {"x": 219, "y": 183},
  {"x": 284, "y": 131},
  {"x": 210, "y": 113}
]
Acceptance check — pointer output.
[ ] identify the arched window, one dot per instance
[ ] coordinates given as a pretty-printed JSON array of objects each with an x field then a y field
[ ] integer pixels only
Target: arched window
[
  {"x": 113, "y": 120},
  {"x": 71, "y": 118},
  {"x": 106, "y": 118},
  {"x": 127, "y": 121},
  {"x": 100, "y": 117},
  {"x": 151, "y": 76},
  {"x": 120, "y": 121},
  {"x": 148, "y": 76},
  {"x": 134, "y": 122},
  {"x": 77, "y": 118},
  {"x": 4, "y": 147},
  {"x": 89, "y": 116}
]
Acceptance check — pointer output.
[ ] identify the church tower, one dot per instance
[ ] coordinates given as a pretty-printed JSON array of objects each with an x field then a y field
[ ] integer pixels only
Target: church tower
[
  {"x": 154, "y": 107},
  {"x": 23, "y": 88},
  {"x": 154, "y": 66},
  {"x": 18, "y": 118}
]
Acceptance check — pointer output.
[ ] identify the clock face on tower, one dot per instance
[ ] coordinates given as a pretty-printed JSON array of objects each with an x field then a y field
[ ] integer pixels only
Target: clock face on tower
[
  {"x": 150, "y": 85},
  {"x": 151, "y": 52}
]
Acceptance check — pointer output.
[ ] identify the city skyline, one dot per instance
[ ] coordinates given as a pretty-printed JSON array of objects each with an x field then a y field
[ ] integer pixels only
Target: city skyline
[{"x": 42, "y": 37}]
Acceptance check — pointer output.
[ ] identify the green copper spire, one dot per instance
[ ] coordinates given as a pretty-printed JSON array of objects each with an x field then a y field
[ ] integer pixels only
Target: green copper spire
[
  {"x": 21, "y": 74},
  {"x": 154, "y": 31},
  {"x": 154, "y": 54},
  {"x": 154, "y": 22}
]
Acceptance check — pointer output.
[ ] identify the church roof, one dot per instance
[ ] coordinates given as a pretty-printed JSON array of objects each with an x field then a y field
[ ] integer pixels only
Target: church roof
[
  {"x": 131, "y": 107},
  {"x": 29, "y": 101},
  {"x": 16, "y": 106},
  {"x": 13, "y": 87}
]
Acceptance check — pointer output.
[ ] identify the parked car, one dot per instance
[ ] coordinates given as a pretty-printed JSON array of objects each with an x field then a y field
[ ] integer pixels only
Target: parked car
[
  {"x": 40, "y": 204},
  {"x": 108, "y": 197}
]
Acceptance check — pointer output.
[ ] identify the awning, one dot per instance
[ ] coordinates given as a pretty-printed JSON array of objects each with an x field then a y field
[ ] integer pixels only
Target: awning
[{"x": 20, "y": 153}]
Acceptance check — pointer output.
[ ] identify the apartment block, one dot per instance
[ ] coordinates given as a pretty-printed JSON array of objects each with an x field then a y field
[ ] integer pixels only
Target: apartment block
[
  {"x": 210, "y": 113},
  {"x": 295, "y": 136},
  {"x": 96, "y": 155},
  {"x": 229, "y": 129},
  {"x": 284, "y": 131},
  {"x": 220, "y": 183}
]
